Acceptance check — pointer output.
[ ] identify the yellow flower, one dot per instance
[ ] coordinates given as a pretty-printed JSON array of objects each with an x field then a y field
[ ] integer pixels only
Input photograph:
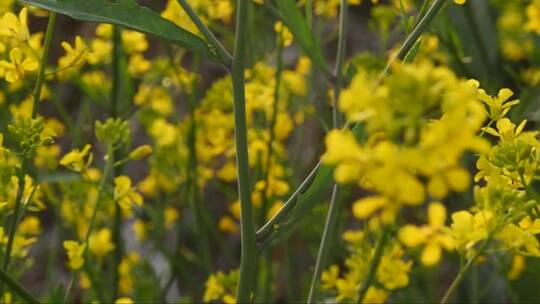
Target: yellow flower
[
  {"x": 227, "y": 225},
  {"x": 518, "y": 265},
  {"x": 287, "y": 37},
  {"x": 461, "y": 2},
  {"x": 506, "y": 130},
  {"x": 76, "y": 160},
  {"x": 100, "y": 242},
  {"x": 171, "y": 215},
  {"x": 213, "y": 289},
  {"x": 124, "y": 300},
  {"x": 330, "y": 277},
  {"x": 75, "y": 253},
  {"x": 140, "y": 152},
  {"x": 75, "y": 55},
  {"x": 124, "y": 193},
  {"x": 431, "y": 235},
  {"x": 11, "y": 26},
  {"x": 17, "y": 67},
  {"x": 468, "y": 229}
]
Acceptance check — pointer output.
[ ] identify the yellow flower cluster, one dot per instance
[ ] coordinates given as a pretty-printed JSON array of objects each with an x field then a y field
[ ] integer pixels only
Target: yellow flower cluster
[{"x": 419, "y": 124}]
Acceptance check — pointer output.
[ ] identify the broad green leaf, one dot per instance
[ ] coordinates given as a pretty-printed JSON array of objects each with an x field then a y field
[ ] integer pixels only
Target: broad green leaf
[
  {"x": 296, "y": 23},
  {"x": 129, "y": 14}
]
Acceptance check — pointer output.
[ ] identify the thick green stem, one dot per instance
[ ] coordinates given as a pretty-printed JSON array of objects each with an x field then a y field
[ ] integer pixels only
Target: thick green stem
[
  {"x": 332, "y": 216},
  {"x": 208, "y": 35},
  {"x": 248, "y": 262},
  {"x": 43, "y": 63},
  {"x": 17, "y": 288},
  {"x": 374, "y": 265}
]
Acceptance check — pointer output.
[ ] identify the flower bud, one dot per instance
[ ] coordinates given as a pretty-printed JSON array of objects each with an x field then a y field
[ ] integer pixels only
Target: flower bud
[{"x": 140, "y": 152}]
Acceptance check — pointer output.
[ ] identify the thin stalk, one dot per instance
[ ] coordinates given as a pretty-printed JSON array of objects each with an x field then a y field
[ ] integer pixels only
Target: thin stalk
[
  {"x": 115, "y": 101},
  {"x": 326, "y": 242},
  {"x": 43, "y": 63},
  {"x": 269, "y": 228},
  {"x": 461, "y": 275},
  {"x": 374, "y": 265},
  {"x": 332, "y": 216},
  {"x": 419, "y": 29},
  {"x": 193, "y": 189},
  {"x": 15, "y": 217},
  {"x": 101, "y": 187},
  {"x": 17, "y": 288},
  {"x": 224, "y": 55},
  {"x": 248, "y": 262}
]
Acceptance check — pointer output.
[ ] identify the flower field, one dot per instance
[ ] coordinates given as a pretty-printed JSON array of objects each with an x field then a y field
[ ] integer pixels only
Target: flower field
[{"x": 269, "y": 151}]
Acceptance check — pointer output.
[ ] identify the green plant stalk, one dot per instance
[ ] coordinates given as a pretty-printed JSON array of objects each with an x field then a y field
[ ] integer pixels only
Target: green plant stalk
[
  {"x": 411, "y": 39},
  {"x": 374, "y": 264},
  {"x": 332, "y": 216},
  {"x": 115, "y": 101},
  {"x": 248, "y": 262},
  {"x": 268, "y": 229},
  {"x": 17, "y": 288},
  {"x": 461, "y": 275},
  {"x": 326, "y": 242},
  {"x": 101, "y": 189},
  {"x": 193, "y": 192},
  {"x": 15, "y": 216},
  {"x": 43, "y": 63},
  {"x": 205, "y": 31}
]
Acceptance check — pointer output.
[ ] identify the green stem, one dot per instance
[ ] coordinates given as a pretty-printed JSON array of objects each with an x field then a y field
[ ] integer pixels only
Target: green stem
[
  {"x": 17, "y": 288},
  {"x": 106, "y": 171},
  {"x": 208, "y": 35},
  {"x": 248, "y": 263},
  {"x": 326, "y": 242},
  {"x": 332, "y": 216},
  {"x": 15, "y": 217},
  {"x": 420, "y": 28},
  {"x": 374, "y": 265},
  {"x": 457, "y": 280},
  {"x": 115, "y": 101},
  {"x": 43, "y": 63},
  {"x": 193, "y": 188}
]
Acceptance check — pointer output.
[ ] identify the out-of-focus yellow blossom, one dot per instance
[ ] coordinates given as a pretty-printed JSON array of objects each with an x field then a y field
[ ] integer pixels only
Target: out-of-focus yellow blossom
[
  {"x": 124, "y": 300},
  {"x": 533, "y": 17},
  {"x": 286, "y": 35},
  {"x": 75, "y": 252},
  {"x": 134, "y": 42},
  {"x": 29, "y": 226},
  {"x": 16, "y": 68},
  {"x": 124, "y": 194},
  {"x": 431, "y": 235},
  {"x": 140, "y": 152},
  {"x": 221, "y": 286},
  {"x": 227, "y": 225},
  {"x": 170, "y": 215},
  {"x": 163, "y": 132},
  {"x": 139, "y": 228},
  {"x": 100, "y": 242},
  {"x": 518, "y": 265},
  {"x": 125, "y": 269},
  {"x": 15, "y": 27},
  {"x": 75, "y": 55},
  {"x": 461, "y": 2},
  {"x": 78, "y": 160}
]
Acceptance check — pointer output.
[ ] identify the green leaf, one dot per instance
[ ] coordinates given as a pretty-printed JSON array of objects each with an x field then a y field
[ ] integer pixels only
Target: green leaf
[
  {"x": 296, "y": 23},
  {"x": 129, "y": 14}
]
